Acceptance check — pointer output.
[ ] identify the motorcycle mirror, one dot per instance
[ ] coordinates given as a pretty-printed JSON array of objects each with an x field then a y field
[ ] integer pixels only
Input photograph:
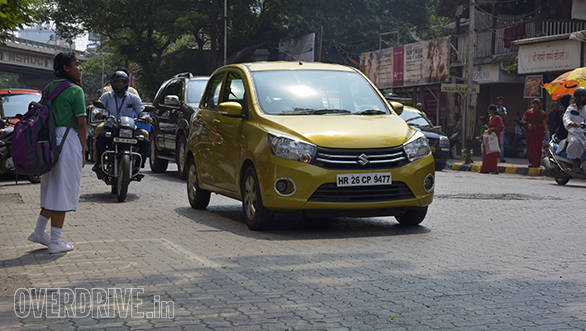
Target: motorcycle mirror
[{"x": 98, "y": 104}]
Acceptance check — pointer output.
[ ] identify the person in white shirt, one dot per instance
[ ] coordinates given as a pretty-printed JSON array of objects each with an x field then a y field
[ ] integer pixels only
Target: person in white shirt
[{"x": 573, "y": 117}]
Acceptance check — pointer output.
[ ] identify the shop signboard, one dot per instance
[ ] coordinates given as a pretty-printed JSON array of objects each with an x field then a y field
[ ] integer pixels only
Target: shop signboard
[
  {"x": 459, "y": 88},
  {"x": 556, "y": 55}
]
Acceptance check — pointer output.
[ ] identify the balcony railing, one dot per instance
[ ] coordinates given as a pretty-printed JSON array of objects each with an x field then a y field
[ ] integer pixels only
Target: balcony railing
[{"x": 504, "y": 36}]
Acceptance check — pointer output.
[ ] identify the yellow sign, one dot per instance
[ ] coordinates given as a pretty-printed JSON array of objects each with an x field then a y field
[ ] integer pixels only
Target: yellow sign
[{"x": 459, "y": 88}]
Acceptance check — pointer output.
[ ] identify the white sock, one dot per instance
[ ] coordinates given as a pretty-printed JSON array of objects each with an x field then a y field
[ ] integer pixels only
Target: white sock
[
  {"x": 55, "y": 234},
  {"x": 41, "y": 224}
]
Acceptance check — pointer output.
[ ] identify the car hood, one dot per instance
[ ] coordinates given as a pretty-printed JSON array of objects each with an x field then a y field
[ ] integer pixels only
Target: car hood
[{"x": 344, "y": 131}]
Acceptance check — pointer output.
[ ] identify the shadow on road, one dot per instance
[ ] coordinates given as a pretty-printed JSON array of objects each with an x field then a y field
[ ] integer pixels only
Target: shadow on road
[
  {"x": 105, "y": 197},
  {"x": 296, "y": 227}
]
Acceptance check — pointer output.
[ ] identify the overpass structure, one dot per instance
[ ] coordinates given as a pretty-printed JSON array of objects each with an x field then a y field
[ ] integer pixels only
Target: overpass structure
[{"x": 31, "y": 60}]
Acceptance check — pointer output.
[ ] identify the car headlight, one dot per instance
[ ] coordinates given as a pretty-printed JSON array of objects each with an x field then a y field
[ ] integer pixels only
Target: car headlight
[
  {"x": 125, "y": 133},
  {"x": 444, "y": 141},
  {"x": 416, "y": 147},
  {"x": 291, "y": 149}
]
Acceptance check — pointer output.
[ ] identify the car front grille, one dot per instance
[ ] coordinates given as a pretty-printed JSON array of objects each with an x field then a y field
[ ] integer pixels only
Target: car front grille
[
  {"x": 360, "y": 159},
  {"x": 330, "y": 192}
]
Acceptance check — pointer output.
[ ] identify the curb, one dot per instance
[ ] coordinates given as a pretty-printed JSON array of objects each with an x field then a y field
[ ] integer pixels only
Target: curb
[{"x": 475, "y": 167}]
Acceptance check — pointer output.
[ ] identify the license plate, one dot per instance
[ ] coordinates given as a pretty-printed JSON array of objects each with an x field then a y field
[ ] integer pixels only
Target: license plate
[
  {"x": 365, "y": 179},
  {"x": 125, "y": 140}
]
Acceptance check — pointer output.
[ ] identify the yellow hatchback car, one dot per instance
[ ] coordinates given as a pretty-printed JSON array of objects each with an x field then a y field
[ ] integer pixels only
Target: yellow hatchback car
[{"x": 309, "y": 138}]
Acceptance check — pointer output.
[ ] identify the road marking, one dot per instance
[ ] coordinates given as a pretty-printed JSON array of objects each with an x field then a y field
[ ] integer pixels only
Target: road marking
[{"x": 189, "y": 254}]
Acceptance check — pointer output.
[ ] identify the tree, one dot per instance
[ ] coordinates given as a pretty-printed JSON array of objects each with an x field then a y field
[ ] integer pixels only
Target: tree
[{"x": 14, "y": 14}]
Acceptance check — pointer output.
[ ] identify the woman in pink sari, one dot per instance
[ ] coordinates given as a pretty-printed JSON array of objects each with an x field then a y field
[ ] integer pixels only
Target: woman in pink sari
[{"x": 495, "y": 125}]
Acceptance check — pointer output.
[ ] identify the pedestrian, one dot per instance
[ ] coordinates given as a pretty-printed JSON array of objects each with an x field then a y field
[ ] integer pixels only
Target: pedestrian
[
  {"x": 501, "y": 110},
  {"x": 60, "y": 186},
  {"x": 536, "y": 131},
  {"x": 496, "y": 126}
]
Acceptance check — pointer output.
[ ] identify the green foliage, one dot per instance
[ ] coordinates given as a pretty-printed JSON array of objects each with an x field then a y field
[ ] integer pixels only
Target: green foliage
[
  {"x": 166, "y": 36},
  {"x": 92, "y": 72},
  {"x": 9, "y": 80},
  {"x": 14, "y": 14}
]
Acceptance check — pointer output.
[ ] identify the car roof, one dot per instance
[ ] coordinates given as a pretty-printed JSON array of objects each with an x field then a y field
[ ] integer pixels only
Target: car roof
[
  {"x": 200, "y": 78},
  {"x": 295, "y": 65},
  {"x": 6, "y": 91}
]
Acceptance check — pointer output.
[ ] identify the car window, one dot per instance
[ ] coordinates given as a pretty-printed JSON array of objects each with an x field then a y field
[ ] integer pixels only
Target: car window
[
  {"x": 213, "y": 93},
  {"x": 11, "y": 105},
  {"x": 195, "y": 89},
  {"x": 414, "y": 118},
  {"x": 175, "y": 88},
  {"x": 301, "y": 92}
]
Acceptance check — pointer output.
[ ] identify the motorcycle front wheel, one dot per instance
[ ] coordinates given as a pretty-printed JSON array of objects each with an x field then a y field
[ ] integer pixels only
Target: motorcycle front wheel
[{"x": 123, "y": 178}]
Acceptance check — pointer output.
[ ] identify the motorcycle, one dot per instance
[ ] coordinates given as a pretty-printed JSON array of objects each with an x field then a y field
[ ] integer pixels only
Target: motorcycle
[
  {"x": 118, "y": 161},
  {"x": 6, "y": 164},
  {"x": 558, "y": 165}
]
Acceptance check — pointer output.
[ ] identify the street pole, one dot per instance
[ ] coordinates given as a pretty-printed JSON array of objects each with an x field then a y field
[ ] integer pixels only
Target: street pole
[
  {"x": 469, "y": 67},
  {"x": 225, "y": 32}
]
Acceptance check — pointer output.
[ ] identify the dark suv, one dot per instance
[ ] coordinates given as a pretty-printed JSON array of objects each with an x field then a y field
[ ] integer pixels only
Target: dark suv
[{"x": 171, "y": 111}]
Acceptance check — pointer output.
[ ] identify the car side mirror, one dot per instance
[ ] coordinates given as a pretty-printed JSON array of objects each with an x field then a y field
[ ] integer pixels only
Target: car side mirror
[
  {"x": 230, "y": 108},
  {"x": 398, "y": 107},
  {"x": 171, "y": 100}
]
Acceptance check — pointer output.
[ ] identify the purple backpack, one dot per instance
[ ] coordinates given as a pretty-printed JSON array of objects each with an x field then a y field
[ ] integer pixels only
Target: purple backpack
[{"x": 34, "y": 142}]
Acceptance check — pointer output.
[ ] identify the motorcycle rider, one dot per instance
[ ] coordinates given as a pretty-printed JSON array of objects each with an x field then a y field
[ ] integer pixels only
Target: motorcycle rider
[
  {"x": 119, "y": 102},
  {"x": 573, "y": 117}
]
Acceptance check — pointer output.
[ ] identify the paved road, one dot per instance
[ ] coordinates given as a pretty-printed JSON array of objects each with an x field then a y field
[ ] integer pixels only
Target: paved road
[{"x": 495, "y": 252}]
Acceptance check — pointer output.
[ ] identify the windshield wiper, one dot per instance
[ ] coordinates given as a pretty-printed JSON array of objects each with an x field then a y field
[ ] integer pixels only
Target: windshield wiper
[
  {"x": 371, "y": 112},
  {"x": 310, "y": 111}
]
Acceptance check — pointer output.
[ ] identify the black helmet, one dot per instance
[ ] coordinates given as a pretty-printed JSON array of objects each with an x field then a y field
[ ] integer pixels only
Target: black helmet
[
  {"x": 119, "y": 82},
  {"x": 579, "y": 93}
]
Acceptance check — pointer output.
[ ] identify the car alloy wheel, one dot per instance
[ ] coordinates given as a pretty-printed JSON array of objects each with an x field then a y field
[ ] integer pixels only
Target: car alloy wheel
[
  {"x": 198, "y": 198},
  {"x": 257, "y": 216}
]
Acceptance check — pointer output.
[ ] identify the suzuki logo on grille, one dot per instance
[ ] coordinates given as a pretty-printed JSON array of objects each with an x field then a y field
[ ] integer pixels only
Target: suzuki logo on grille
[{"x": 363, "y": 159}]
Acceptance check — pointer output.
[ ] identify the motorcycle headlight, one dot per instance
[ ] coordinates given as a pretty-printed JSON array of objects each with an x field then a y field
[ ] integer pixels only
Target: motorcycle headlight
[
  {"x": 291, "y": 149},
  {"x": 444, "y": 141},
  {"x": 417, "y": 147},
  {"x": 125, "y": 133}
]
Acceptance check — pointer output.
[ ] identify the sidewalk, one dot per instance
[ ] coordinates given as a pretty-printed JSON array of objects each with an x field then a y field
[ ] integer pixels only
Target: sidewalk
[{"x": 512, "y": 166}]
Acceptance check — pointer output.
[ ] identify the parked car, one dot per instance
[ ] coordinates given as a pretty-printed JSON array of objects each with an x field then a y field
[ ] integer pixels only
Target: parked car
[
  {"x": 175, "y": 102},
  {"x": 16, "y": 101},
  {"x": 438, "y": 141},
  {"x": 13, "y": 103},
  {"x": 308, "y": 138}
]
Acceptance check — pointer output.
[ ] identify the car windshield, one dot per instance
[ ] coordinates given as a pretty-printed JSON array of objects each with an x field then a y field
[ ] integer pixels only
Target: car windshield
[
  {"x": 11, "y": 105},
  {"x": 414, "y": 118},
  {"x": 195, "y": 89},
  {"x": 316, "y": 92}
]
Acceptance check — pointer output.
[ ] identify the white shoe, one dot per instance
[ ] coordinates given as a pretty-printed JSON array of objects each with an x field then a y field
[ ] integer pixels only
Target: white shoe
[
  {"x": 59, "y": 247},
  {"x": 42, "y": 239}
]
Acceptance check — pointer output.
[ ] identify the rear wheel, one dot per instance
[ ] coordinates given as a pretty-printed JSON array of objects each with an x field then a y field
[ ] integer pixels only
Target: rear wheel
[
  {"x": 256, "y": 215},
  {"x": 413, "y": 216},
  {"x": 157, "y": 165},
  {"x": 123, "y": 178},
  {"x": 180, "y": 158},
  {"x": 198, "y": 198},
  {"x": 34, "y": 179}
]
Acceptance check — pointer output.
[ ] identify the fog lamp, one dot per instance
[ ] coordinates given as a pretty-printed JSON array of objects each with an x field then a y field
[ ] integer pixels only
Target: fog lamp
[
  {"x": 285, "y": 187},
  {"x": 428, "y": 183}
]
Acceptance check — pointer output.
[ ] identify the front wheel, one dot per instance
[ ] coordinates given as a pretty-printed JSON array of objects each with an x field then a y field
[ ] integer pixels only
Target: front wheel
[
  {"x": 157, "y": 165},
  {"x": 413, "y": 216},
  {"x": 180, "y": 159},
  {"x": 123, "y": 178},
  {"x": 198, "y": 198},
  {"x": 562, "y": 180},
  {"x": 257, "y": 216}
]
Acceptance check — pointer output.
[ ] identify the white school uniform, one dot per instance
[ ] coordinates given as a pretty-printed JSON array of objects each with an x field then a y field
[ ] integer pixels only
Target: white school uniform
[{"x": 60, "y": 186}]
